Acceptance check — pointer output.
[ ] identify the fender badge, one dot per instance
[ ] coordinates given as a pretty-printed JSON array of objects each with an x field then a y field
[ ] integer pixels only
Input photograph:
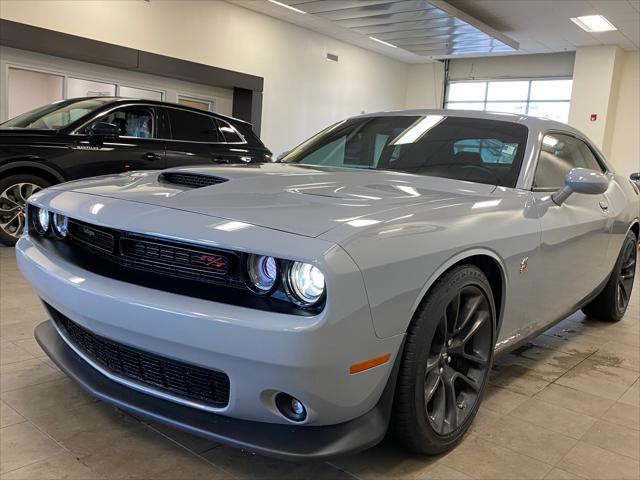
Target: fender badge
[{"x": 524, "y": 265}]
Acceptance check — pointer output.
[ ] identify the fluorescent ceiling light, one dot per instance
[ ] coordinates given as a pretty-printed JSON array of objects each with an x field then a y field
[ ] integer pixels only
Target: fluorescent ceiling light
[
  {"x": 550, "y": 141},
  {"x": 287, "y": 6},
  {"x": 415, "y": 131},
  {"x": 594, "y": 23},
  {"x": 382, "y": 42}
]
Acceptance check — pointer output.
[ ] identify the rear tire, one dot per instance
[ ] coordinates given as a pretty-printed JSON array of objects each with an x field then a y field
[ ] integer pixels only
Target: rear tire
[
  {"x": 445, "y": 363},
  {"x": 611, "y": 304},
  {"x": 14, "y": 191}
]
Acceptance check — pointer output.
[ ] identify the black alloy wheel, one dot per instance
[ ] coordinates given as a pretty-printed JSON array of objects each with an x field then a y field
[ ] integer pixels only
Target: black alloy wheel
[
  {"x": 626, "y": 276},
  {"x": 611, "y": 304},
  {"x": 458, "y": 360},
  {"x": 446, "y": 362}
]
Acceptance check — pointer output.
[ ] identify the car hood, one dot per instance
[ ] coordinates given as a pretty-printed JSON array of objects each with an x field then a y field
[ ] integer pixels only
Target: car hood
[{"x": 305, "y": 200}]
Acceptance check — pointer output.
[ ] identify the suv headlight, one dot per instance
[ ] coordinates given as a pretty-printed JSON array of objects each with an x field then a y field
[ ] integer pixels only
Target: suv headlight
[{"x": 305, "y": 284}]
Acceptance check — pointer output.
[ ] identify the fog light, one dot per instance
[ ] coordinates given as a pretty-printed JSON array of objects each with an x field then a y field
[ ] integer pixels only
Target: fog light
[{"x": 291, "y": 407}]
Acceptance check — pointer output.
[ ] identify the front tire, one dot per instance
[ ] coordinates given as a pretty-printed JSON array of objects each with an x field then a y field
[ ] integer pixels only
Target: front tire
[
  {"x": 611, "y": 304},
  {"x": 446, "y": 362},
  {"x": 14, "y": 191}
]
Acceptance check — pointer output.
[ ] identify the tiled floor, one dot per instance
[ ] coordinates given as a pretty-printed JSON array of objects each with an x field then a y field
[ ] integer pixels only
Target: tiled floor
[{"x": 568, "y": 406}]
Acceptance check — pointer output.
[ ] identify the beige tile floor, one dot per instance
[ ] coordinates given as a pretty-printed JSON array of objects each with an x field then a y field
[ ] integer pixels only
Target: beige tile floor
[{"x": 567, "y": 406}]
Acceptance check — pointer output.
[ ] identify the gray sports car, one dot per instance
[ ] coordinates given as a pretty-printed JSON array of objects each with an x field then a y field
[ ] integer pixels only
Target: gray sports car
[{"x": 365, "y": 283}]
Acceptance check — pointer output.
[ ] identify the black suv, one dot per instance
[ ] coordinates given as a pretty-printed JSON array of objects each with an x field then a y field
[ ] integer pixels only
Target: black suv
[{"x": 83, "y": 137}]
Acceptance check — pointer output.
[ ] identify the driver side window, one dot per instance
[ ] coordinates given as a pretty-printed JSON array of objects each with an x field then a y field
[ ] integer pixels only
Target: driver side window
[
  {"x": 559, "y": 154},
  {"x": 134, "y": 122}
]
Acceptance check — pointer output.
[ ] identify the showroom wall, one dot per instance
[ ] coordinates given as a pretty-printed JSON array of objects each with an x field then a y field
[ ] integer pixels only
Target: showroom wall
[
  {"x": 171, "y": 88},
  {"x": 303, "y": 91}
]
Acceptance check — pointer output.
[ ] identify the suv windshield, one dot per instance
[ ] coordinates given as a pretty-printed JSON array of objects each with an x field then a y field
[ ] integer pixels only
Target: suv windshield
[
  {"x": 56, "y": 115},
  {"x": 472, "y": 149}
]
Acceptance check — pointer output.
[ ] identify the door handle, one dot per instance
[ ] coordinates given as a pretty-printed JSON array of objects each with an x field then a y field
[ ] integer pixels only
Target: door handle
[
  {"x": 152, "y": 156},
  {"x": 219, "y": 159},
  {"x": 604, "y": 206}
]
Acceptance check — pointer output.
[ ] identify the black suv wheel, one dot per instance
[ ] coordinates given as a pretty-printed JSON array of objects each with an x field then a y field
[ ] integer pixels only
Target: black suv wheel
[{"x": 14, "y": 191}]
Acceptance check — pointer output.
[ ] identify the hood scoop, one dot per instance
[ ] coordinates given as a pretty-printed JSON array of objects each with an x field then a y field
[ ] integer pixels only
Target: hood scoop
[{"x": 192, "y": 180}]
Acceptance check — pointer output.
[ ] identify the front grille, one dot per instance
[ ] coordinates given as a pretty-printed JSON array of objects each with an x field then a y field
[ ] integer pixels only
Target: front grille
[
  {"x": 150, "y": 254},
  {"x": 205, "y": 386},
  {"x": 193, "y": 180}
]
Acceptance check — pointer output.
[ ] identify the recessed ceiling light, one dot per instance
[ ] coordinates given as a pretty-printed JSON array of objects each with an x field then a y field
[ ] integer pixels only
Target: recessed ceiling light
[
  {"x": 382, "y": 42},
  {"x": 287, "y": 6},
  {"x": 594, "y": 23}
]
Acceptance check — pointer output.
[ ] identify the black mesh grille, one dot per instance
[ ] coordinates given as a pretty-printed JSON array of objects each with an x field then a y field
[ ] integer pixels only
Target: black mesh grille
[
  {"x": 191, "y": 179},
  {"x": 150, "y": 254},
  {"x": 210, "y": 387}
]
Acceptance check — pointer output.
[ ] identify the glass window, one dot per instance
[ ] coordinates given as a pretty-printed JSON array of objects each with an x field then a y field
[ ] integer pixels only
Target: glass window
[
  {"x": 77, "y": 87},
  {"x": 191, "y": 126},
  {"x": 559, "y": 154},
  {"x": 143, "y": 93},
  {"x": 551, "y": 89},
  {"x": 56, "y": 116},
  {"x": 200, "y": 104},
  {"x": 27, "y": 90},
  {"x": 132, "y": 121},
  {"x": 465, "y": 91},
  {"x": 229, "y": 133},
  {"x": 539, "y": 98},
  {"x": 471, "y": 149},
  {"x": 508, "y": 91}
]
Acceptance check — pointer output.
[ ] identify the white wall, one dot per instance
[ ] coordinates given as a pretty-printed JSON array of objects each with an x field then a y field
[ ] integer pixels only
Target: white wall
[
  {"x": 594, "y": 86},
  {"x": 425, "y": 86},
  {"x": 20, "y": 58},
  {"x": 625, "y": 143},
  {"x": 303, "y": 92}
]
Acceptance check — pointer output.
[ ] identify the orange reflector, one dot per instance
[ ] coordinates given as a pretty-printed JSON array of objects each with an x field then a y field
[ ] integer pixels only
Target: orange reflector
[{"x": 366, "y": 365}]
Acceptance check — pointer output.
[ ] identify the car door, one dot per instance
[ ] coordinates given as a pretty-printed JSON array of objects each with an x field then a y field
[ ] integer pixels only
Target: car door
[
  {"x": 574, "y": 236},
  {"x": 192, "y": 136},
  {"x": 137, "y": 147}
]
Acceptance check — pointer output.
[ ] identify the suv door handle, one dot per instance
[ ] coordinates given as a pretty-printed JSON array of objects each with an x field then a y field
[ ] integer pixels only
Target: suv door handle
[
  {"x": 152, "y": 156},
  {"x": 219, "y": 159}
]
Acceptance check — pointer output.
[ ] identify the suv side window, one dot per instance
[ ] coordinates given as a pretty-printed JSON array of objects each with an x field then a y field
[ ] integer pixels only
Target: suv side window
[
  {"x": 559, "y": 154},
  {"x": 192, "y": 127},
  {"x": 247, "y": 132},
  {"x": 229, "y": 133},
  {"x": 135, "y": 122}
]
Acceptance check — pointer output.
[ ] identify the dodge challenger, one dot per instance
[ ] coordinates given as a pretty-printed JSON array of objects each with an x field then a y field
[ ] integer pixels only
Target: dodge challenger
[{"x": 361, "y": 285}]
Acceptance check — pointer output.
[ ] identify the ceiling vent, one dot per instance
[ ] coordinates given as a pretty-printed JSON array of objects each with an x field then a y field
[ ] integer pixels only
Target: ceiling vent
[{"x": 332, "y": 56}]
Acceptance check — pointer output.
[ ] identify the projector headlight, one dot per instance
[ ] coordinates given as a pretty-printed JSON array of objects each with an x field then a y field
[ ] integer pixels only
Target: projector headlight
[
  {"x": 305, "y": 284},
  {"x": 41, "y": 220},
  {"x": 60, "y": 225},
  {"x": 261, "y": 273}
]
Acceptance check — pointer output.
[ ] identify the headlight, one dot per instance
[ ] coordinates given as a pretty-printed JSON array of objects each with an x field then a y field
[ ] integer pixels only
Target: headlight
[
  {"x": 60, "y": 227},
  {"x": 41, "y": 220},
  {"x": 261, "y": 273},
  {"x": 306, "y": 284}
]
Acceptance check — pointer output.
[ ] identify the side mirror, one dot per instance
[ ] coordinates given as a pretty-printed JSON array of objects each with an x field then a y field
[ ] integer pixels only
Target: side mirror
[
  {"x": 104, "y": 130},
  {"x": 581, "y": 180}
]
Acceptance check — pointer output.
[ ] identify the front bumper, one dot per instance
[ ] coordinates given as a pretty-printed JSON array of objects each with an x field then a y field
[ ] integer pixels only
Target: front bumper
[{"x": 281, "y": 441}]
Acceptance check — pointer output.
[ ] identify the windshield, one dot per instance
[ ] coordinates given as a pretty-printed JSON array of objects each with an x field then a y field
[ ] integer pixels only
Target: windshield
[
  {"x": 472, "y": 149},
  {"x": 56, "y": 115}
]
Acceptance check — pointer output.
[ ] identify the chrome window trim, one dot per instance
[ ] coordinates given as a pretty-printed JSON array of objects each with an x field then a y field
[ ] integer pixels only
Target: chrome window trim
[
  {"x": 106, "y": 112},
  {"x": 136, "y": 385}
]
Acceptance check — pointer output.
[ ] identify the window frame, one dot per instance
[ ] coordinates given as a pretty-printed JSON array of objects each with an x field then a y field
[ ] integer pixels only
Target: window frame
[
  {"x": 100, "y": 117},
  {"x": 528, "y": 101},
  {"x": 601, "y": 161}
]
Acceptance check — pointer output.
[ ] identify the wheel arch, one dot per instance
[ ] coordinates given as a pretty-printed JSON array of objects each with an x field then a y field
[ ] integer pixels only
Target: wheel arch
[
  {"x": 31, "y": 167},
  {"x": 491, "y": 265},
  {"x": 635, "y": 228}
]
